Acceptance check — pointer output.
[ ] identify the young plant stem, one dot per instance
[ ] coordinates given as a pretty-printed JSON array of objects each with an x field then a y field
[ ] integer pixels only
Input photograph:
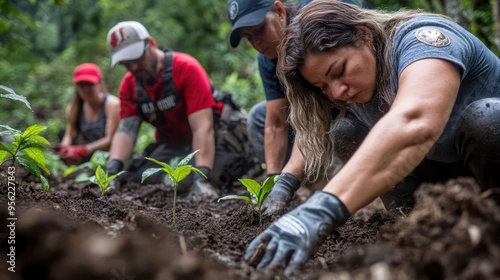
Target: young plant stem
[
  {"x": 260, "y": 216},
  {"x": 173, "y": 208}
]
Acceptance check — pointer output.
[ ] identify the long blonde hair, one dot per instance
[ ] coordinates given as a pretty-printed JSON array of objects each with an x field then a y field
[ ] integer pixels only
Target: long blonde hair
[{"x": 322, "y": 26}]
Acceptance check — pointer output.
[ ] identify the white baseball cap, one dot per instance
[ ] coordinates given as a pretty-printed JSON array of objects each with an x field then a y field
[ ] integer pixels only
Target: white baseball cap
[{"x": 127, "y": 41}]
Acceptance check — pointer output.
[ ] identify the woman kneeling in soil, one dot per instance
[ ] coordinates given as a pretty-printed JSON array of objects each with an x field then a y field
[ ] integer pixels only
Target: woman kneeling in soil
[
  {"x": 420, "y": 93},
  {"x": 93, "y": 116}
]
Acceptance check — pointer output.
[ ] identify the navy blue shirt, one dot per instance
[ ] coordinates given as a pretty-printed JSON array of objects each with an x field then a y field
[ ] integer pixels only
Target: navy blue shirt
[{"x": 430, "y": 36}]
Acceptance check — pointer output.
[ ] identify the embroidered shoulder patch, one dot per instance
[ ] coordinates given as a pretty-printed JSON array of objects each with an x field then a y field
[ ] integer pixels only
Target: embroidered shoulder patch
[{"x": 432, "y": 37}]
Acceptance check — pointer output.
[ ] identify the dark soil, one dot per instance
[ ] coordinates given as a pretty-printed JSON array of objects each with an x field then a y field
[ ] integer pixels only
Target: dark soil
[{"x": 72, "y": 232}]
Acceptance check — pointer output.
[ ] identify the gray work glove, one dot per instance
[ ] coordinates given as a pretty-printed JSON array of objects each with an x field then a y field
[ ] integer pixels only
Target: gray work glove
[
  {"x": 296, "y": 236},
  {"x": 113, "y": 167},
  {"x": 281, "y": 194},
  {"x": 202, "y": 187}
]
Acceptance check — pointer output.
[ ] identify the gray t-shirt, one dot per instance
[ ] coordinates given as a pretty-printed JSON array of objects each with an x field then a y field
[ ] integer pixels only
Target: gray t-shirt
[{"x": 430, "y": 36}]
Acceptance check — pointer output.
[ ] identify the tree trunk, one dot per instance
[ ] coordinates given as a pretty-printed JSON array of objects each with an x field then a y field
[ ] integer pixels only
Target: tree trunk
[{"x": 496, "y": 17}]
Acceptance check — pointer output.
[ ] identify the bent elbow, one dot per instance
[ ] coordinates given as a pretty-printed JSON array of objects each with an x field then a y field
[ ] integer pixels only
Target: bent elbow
[{"x": 425, "y": 131}]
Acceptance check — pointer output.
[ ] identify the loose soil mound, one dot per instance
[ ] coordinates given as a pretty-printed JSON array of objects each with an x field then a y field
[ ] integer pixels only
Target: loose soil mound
[{"x": 71, "y": 232}]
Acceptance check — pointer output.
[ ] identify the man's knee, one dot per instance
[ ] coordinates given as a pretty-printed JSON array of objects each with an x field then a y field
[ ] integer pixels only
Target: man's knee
[
  {"x": 257, "y": 116},
  {"x": 478, "y": 140},
  {"x": 480, "y": 121}
]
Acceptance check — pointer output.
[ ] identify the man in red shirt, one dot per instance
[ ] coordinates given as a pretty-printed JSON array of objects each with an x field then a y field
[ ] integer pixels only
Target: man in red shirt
[{"x": 173, "y": 92}]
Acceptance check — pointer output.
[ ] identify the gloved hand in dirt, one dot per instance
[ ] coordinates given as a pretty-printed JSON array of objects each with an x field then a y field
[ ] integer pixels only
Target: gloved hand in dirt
[
  {"x": 113, "y": 167},
  {"x": 202, "y": 187},
  {"x": 296, "y": 236},
  {"x": 73, "y": 154},
  {"x": 281, "y": 194}
]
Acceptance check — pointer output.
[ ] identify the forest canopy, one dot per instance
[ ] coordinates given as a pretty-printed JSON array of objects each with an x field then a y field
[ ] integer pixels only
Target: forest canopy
[{"x": 41, "y": 41}]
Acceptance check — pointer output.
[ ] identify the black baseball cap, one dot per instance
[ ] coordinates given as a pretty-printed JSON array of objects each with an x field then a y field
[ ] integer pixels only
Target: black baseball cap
[{"x": 243, "y": 13}]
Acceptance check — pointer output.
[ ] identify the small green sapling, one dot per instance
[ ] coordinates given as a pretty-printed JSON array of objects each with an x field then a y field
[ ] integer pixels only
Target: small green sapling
[
  {"x": 258, "y": 193},
  {"x": 99, "y": 158},
  {"x": 177, "y": 174},
  {"x": 102, "y": 179},
  {"x": 27, "y": 149}
]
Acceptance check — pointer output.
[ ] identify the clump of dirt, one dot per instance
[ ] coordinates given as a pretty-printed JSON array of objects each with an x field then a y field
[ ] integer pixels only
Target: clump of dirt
[
  {"x": 452, "y": 233},
  {"x": 72, "y": 232}
]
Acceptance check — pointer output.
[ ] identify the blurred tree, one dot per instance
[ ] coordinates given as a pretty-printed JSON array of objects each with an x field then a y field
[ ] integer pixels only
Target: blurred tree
[
  {"x": 496, "y": 19},
  {"x": 455, "y": 10},
  {"x": 41, "y": 41}
]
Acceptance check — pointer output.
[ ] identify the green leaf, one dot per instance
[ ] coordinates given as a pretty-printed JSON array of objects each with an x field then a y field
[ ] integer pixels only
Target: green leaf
[
  {"x": 84, "y": 165},
  {"x": 4, "y": 148},
  {"x": 28, "y": 144},
  {"x": 252, "y": 186},
  {"x": 3, "y": 155},
  {"x": 30, "y": 165},
  {"x": 181, "y": 172},
  {"x": 267, "y": 186},
  {"x": 198, "y": 171},
  {"x": 69, "y": 170},
  {"x": 102, "y": 178},
  {"x": 148, "y": 172},
  {"x": 40, "y": 140},
  {"x": 98, "y": 158},
  {"x": 45, "y": 183},
  {"x": 112, "y": 177},
  {"x": 186, "y": 160},
  {"x": 92, "y": 179},
  {"x": 12, "y": 95},
  {"x": 9, "y": 131},
  {"x": 82, "y": 178},
  {"x": 241, "y": 197},
  {"x": 162, "y": 164},
  {"x": 18, "y": 139},
  {"x": 37, "y": 155},
  {"x": 33, "y": 130}
]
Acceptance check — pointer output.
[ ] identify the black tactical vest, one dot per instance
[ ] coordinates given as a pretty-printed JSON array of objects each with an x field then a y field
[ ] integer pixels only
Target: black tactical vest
[{"x": 154, "y": 111}]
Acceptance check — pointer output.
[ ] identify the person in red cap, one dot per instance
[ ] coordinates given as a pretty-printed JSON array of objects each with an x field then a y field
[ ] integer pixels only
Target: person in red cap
[{"x": 93, "y": 116}]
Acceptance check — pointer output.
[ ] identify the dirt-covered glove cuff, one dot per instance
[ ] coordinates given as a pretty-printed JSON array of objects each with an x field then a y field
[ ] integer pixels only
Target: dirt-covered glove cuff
[
  {"x": 114, "y": 166},
  {"x": 330, "y": 206},
  {"x": 205, "y": 170},
  {"x": 289, "y": 182}
]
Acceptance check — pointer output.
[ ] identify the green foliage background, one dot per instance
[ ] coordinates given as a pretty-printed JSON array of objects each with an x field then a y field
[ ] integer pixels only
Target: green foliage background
[{"x": 42, "y": 41}]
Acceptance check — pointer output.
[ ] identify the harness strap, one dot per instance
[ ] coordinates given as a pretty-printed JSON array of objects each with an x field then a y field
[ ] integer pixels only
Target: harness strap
[{"x": 154, "y": 111}]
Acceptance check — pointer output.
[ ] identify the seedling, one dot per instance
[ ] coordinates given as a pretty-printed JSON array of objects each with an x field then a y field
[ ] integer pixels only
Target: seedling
[
  {"x": 99, "y": 158},
  {"x": 102, "y": 179},
  {"x": 177, "y": 174},
  {"x": 55, "y": 165},
  {"x": 27, "y": 149},
  {"x": 258, "y": 193}
]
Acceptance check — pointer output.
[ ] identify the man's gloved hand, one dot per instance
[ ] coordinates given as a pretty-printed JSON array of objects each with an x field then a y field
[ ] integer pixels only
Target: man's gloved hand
[
  {"x": 281, "y": 194},
  {"x": 113, "y": 167},
  {"x": 295, "y": 237},
  {"x": 202, "y": 186},
  {"x": 73, "y": 154}
]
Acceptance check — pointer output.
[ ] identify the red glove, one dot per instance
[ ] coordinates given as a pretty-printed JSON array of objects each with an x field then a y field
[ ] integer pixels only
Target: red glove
[{"x": 73, "y": 154}]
